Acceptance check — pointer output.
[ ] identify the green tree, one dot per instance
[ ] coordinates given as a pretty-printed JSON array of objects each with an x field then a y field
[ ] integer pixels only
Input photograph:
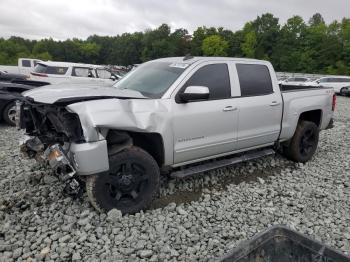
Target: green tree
[
  {"x": 215, "y": 46},
  {"x": 249, "y": 44}
]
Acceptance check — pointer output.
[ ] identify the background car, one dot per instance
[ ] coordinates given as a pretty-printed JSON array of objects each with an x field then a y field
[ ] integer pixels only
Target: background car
[
  {"x": 338, "y": 83},
  {"x": 9, "y": 94},
  {"x": 24, "y": 66},
  {"x": 8, "y": 77},
  {"x": 294, "y": 81},
  {"x": 62, "y": 72}
]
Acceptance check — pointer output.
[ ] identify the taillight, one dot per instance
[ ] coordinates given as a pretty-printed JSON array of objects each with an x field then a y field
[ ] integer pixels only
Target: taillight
[
  {"x": 38, "y": 74},
  {"x": 334, "y": 101}
]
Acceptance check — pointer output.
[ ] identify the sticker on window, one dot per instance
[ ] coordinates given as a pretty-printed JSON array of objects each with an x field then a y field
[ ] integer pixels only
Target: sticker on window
[{"x": 179, "y": 65}]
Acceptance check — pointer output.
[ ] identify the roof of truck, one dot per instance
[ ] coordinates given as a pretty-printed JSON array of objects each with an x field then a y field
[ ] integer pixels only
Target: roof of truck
[{"x": 190, "y": 60}]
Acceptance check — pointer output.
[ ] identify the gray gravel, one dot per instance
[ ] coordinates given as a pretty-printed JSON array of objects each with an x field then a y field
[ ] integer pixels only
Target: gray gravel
[{"x": 200, "y": 218}]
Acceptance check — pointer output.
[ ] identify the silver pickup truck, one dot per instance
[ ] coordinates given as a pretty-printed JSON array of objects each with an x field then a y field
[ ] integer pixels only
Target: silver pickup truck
[{"x": 177, "y": 116}]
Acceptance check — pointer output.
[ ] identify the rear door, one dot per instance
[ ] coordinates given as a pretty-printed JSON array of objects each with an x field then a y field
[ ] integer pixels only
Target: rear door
[
  {"x": 208, "y": 127},
  {"x": 260, "y": 106}
]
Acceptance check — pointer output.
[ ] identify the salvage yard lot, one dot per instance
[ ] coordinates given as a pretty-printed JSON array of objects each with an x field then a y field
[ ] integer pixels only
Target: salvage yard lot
[{"x": 212, "y": 214}]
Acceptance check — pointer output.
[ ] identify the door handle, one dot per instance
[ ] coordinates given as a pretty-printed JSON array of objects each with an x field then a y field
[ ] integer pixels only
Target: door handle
[
  {"x": 274, "y": 103},
  {"x": 229, "y": 108}
]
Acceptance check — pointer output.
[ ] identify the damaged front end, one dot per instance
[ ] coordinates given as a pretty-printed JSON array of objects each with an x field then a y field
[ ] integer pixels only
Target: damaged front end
[{"x": 50, "y": 132}]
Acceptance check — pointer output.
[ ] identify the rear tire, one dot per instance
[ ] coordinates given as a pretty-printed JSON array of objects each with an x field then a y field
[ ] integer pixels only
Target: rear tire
[
  {"x": 9, "y": 114},
  {"x": 303, "y": 143},
  {"x": 130, "y": 184}
]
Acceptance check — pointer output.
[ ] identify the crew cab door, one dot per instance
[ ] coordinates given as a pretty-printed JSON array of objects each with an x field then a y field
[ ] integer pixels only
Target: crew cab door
[
  {"x": 205, "y": 128},
  {"x": 260, "y": 106}
]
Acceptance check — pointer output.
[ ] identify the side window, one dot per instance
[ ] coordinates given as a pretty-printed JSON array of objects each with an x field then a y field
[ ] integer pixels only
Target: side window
[
  {"x": 55, "y": 70},
  {"x": 103, "y": 73},
  {"x": 26, "y": 63},
  {"x": 324, "y": 80},
  {"x": 215, "y": 77},
  {"x": 82, "y": 72},
  {"x": 254, "y": 79}
]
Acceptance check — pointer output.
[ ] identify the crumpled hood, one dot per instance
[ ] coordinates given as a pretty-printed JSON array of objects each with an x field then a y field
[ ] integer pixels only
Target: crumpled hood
[{"x": 51, "y": 94}]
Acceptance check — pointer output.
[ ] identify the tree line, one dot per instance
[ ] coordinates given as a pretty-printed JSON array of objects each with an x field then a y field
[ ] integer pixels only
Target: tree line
[{"x": 296, "y": 46}]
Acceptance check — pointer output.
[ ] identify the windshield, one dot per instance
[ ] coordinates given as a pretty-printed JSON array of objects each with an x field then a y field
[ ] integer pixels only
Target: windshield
[{"x": 152, "y": 79}]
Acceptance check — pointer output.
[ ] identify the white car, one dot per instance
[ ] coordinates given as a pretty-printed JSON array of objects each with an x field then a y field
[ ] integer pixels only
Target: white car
[
  {"x": 24, "y": 66},
  {"x": 62, "y": 72},
  {"x": 338, "y": 83},
  {"x": 294, "y": 81}
]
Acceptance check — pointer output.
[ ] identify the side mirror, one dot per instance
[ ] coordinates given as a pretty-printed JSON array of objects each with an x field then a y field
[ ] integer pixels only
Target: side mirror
[
  {"x": 193, "y": 93},
  {"x": 318, "y": 81},
  {"x": 113, "y": 77}
]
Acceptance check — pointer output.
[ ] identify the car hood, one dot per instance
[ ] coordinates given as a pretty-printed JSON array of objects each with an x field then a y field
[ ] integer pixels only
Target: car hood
[{"x": 64, "y": 93}]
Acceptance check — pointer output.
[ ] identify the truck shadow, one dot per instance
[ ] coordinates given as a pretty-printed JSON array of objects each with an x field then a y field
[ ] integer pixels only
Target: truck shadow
[{"x": 222, "y": 179}]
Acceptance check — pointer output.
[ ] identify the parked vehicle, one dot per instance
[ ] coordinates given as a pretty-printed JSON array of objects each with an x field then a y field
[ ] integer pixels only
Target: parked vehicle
[
  {"x": 62, "y": 72},
  {"x": 8, "y": 77},
  {"x": 25, "y": 66},
  {"x": 173, "y": 115},
  {"x": 337, "y": 83},
  {"x": 9, "y": 94},
  {"x": 294, "y": 81}
]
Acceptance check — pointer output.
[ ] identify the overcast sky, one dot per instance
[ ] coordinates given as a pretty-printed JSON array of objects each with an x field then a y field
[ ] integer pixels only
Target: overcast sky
[{"x": 62, "y": 19}]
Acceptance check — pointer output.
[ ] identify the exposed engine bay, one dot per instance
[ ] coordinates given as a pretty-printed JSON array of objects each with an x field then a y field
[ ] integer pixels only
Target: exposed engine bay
[
  {"x": 50, "y": 123},
  {"x": 50, "y": 130}
]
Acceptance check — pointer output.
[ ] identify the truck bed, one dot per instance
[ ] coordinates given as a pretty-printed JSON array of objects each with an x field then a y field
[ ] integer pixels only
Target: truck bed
[
  {"x": 287, "y": 88},
  {"x": 304, "y": 98}
]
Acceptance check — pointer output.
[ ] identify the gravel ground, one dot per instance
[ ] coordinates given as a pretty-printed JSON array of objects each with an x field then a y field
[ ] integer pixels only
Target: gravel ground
[{"x": 199, "y": 218}]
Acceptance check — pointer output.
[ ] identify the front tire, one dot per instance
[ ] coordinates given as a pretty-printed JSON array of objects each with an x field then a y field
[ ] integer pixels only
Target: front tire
[
  {"x": 130, "y": 184},
  {"x": 9, "y": 114},
  {"x": 303, "y": 143}
]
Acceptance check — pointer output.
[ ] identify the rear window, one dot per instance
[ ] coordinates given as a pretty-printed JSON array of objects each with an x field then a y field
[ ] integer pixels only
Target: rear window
[
  {"x": 52, "y": 70},
  {"x": 82, "y": 72},
  {"x": 25, "y": 63},
  {"x": 342, "y": 80},
  {"x": 254, "y": 79}
]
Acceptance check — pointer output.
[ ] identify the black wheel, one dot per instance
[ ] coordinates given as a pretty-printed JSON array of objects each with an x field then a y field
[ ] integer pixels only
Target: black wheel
[
  {"x": 130, "y": 185},
  {"x": 9, "y": 114},
  {"x": 304, "y": 142},
  {"x": 342, "y": 92}
]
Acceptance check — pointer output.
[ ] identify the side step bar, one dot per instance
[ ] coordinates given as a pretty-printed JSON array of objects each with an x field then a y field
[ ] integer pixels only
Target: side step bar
[{"x": 221, "y": 163}]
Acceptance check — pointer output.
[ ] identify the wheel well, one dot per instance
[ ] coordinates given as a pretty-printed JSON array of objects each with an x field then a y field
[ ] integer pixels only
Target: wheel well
[
  {"x": 3, "y": 108},
  {"x": 312, "y": 116},
  {"x": 152, "y": 143}
]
